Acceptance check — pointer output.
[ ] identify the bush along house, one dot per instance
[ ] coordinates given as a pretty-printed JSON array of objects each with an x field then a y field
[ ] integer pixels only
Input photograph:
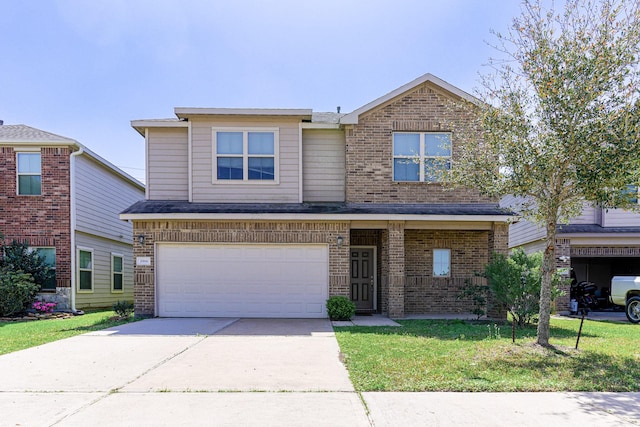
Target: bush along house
[{"x": 268, "y": 212}]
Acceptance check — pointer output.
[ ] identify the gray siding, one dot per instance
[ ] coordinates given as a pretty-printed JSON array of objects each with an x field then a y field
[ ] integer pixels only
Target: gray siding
[
  {"x": 102, "y": 296},
  {"x": 100, "y": 197},
  {"x": 620, "y": 218},
  {"x": 285, "y": 191},
  {"x": 167, "y": 162},
  {"x": 323, "y": 165}
]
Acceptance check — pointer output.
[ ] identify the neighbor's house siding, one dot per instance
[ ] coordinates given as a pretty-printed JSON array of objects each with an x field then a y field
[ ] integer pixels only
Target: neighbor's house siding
[
  {"x": 167, "y": 164},
  {"x": 101, "y": 296},
  {"x": 620, "y": 218},
  {"x": 369, "y": 154},
  {"x": 323, "y": 165},
  {"x": 251, "y": 232},
  {"x": 285, "y": 191},
  {"x": 42, "y": 220},
  {"x": 100, "y": 197}
]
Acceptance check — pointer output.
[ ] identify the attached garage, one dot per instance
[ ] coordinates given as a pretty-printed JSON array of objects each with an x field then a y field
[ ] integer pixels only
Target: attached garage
[{"x": 242, "y": 280}]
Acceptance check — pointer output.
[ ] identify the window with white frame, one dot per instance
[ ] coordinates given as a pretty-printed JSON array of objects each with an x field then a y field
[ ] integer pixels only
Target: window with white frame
[
  {"x": 441, "y": 262},
  {"x": 49, "y": 256},
  {"x": 117, "y": 273},
  {"x": 245, "y": 155},
  {"x": 420, "y": 157},
  {"x": 29, "y": 170},
  {"x": 85, "y": 270}
]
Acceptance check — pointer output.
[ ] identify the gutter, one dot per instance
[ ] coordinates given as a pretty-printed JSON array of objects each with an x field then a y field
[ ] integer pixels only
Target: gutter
[{"x": 72, "y": 202}]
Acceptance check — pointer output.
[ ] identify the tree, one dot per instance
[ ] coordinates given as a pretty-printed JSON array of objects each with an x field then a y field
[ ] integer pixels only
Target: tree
[
  {"x": 19, "y": 258},
  {"x": 559, "y": 119}
]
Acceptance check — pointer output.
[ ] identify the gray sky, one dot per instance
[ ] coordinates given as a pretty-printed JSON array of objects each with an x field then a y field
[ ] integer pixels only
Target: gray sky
[{"x": 85, "y": 68}]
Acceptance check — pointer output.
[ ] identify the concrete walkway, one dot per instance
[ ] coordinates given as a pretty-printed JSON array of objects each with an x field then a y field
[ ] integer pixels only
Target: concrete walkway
[{"x": 250, "y": 372}]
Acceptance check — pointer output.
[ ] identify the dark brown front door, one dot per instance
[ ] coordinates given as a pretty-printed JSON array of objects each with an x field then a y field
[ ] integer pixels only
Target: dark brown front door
[{"x": 362, "y": 273}]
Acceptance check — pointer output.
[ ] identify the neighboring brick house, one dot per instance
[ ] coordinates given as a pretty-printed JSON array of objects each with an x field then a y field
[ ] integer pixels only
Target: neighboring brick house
[
  {"x": 598, "y": 244},
  {"x": 268, "y": 212},
  {"x": 64, "y": 200}
]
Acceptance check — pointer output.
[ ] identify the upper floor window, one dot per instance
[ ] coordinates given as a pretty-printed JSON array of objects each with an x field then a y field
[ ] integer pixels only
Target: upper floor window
[
  {"x": 29, "y": 174},
  {"x": 245, "y": 155},
  {"x": 420, "y": 157}
]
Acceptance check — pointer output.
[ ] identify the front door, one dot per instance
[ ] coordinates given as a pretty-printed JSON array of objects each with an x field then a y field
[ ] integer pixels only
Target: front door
[{"x": 362, "y": 278}]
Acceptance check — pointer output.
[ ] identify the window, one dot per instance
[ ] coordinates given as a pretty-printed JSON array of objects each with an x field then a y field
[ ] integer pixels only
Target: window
[
  {"x": 441, "y": 262},
  {"x": 631, "y": 193},
  {"x": 245, "y": 155},
  {"x": 420, "y": 157},
  {"x": 117, "y": 269},
  {"x": 49, "y": 255},
  {"x": 85, "y": 270},
  {"x": 29, "y": 174}
]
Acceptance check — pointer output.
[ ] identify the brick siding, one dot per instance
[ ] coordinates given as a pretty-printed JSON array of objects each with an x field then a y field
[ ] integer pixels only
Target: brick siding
[
  {"x": 237, "y": 232},
  {"x": 369, "y": 156},
  {"x": 42, "y": 220}
]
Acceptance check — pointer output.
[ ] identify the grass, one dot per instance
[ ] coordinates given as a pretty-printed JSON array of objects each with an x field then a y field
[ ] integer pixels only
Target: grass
[
  {"x": 454, "y": 355},
  {"x": 19, "y": 335}
]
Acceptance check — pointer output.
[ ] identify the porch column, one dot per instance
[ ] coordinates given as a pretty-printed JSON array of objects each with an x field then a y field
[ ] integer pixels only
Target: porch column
[
  {"x": 498, "y": 243},
  {"x": 563, "y": 260},
  {"x": 396, "y": 269}
]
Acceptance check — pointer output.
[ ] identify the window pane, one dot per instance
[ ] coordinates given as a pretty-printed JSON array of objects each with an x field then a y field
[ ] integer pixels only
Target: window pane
[
  {"x": 29, "y": 163},
  {"x": 229, "y": 142},
  {"x": 406, "y": 144},
  {"x": 85, "y": 260},
  {"x": 631, "y": 192},
  {"x": 49, "y": 255},
  {"x": 85, "y": 280},
  {"x": 433, "y": 168},
  {"x": 261, "y": 168},
  {"x": 441, "y": 262},
  {"x": 437, "y": 144},
  {"x": 406, "y": 170},
  {"x": 117, "y": 282},
  {"x": 50, "y": 281},
  {"x": 261, "y": 143},
  {"x": 117, "y": 264},
  {"x": 230, "y": 168},
  {"x": 29, "y": 185}
]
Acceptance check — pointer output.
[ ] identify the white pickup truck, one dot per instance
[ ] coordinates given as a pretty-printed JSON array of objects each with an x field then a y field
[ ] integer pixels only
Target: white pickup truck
[{"x": 625, "y": 291}]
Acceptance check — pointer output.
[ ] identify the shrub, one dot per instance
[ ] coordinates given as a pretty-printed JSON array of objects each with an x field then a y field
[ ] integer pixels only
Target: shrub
[
  {"x": 17, "y": 291},
  {"x": 477, "y": 294},
  {"x": 20, "y": 258},
  {"x": 515, "y": 283},
  {"x": 123, "y": 308},
  {"x": 340, "y": 308}
]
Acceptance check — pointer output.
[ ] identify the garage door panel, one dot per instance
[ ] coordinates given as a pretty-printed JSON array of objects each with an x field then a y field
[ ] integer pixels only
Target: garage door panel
[{"x": 242, "y": 280}]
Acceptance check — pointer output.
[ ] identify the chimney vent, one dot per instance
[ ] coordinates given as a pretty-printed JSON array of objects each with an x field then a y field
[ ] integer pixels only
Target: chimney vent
[
  {"x": 338, "y": 108},
  {"x": 1, "y": 122}
]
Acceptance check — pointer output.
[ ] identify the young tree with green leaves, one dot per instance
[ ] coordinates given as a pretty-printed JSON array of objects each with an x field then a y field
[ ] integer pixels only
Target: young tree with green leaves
[{"x": 560, "y": 119}]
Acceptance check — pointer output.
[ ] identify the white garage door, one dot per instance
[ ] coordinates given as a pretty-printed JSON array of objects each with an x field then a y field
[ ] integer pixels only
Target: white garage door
[{"x": 242, "y": 280}]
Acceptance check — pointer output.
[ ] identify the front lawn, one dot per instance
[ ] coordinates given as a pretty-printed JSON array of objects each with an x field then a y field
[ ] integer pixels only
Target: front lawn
[
  {"x": 454, "y": 355},
  {"x": 19, "y": 335}
]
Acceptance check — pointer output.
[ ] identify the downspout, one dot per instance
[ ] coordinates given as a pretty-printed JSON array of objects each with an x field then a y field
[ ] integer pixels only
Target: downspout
[{"x": 72, "y": 202}]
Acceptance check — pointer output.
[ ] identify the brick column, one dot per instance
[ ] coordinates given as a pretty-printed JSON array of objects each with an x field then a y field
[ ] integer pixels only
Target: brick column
[
  {"x": 563, "y": 260},
  {"x": 498, "y": 243},
  {"x": 396, "y": 269}
]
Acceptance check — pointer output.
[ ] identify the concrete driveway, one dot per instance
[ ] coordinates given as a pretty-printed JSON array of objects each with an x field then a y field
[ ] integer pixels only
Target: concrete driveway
[
  {"x": 172, "y": 372},
  {"x": 250, "y": 372}
]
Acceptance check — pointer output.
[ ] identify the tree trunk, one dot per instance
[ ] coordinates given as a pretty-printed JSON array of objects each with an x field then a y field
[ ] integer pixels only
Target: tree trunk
[{"x": 548, "y": 268}]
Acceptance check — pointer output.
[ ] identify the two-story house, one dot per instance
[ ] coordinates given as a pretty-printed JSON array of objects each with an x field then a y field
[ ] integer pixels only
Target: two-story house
[
  {"x": 268, "y": 212},
  {"x": 64, "y": 200},
  {"x": 598, "y": 244}
]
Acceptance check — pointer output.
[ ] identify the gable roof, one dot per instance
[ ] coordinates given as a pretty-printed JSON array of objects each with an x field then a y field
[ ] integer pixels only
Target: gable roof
[
  {"x": 29, "y": 135},
  {"x": 352, "y": 118}
]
